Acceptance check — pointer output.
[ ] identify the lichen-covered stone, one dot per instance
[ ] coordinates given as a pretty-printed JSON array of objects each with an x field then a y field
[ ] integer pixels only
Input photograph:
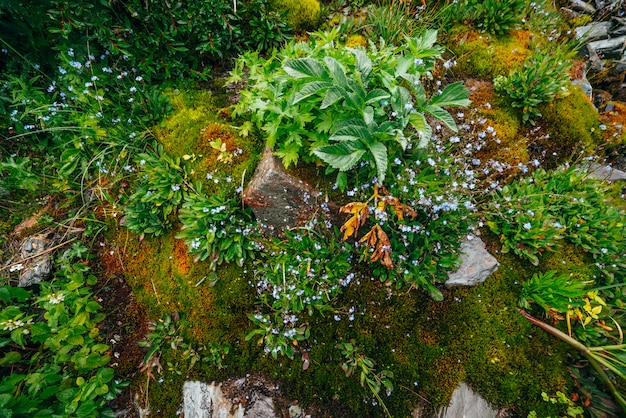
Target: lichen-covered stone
[
  {"x": 476, "y": 264},
  {"x": 36, "y": 269}
]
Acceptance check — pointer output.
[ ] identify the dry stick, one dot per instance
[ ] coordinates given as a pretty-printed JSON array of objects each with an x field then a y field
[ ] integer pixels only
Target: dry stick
[
  {"x": 155, "y": 292},
  {"x": 38, "y": 254}
]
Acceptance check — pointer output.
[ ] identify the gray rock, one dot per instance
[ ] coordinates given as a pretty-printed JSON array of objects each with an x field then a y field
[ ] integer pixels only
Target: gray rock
[
  {"x": 476, "y": 264},
  {"x": 583, "y": 7},
  {"x": 594, "y": 30},
  {"x": 604, "y": 172},
  {"x": 618, "y": 27},
  {"x": 280, "y": 201},
  {"x": 207, "y": 401},
  {"x": 609, "y": 48},
  {"x": 595, "y": 63},
  {"x": 36, "y": 269},
  {"x": 585, "y": 85},
  {"x": 249, "y": 400},
  {"x": 568, "y": 13},
  {"x": 466, "y": 403}
]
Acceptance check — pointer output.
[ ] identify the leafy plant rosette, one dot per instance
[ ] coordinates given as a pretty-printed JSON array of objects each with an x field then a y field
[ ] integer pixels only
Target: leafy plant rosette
[
  {"x": 416, "y": 224},
  {"x": 303, "y": 274},
  {"x": 158, "y": 193},
  {"x": 217, "y": 229},
  {"x": 53, "y": 363},
  {"x": 543, "y": 78},
  {"x": 346, "y": 107}
]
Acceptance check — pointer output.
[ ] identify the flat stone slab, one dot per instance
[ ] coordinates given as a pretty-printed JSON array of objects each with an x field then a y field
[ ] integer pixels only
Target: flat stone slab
[
  {"x": 594, "y": 30},
  {"x": 476, "y": 264},
  {"x": 604, "y": 172}
]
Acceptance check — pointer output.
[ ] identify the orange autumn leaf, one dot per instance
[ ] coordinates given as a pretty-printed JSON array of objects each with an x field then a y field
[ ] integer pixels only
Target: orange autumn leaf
[
  {"x": 377, "y": 239},
  {"x": 360, "y": 213}
]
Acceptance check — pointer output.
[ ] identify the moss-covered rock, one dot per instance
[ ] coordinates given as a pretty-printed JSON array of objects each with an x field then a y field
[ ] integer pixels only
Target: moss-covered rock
[
  {"x": 568, "y": 130},
  {"x": 300, "y": 14},
  {"x": 483, "y": 56}
]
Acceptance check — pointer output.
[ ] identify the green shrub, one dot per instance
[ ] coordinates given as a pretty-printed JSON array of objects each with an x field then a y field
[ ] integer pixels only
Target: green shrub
[
  {"x": 217, "y": 228},
  {"x": 543, "y": 78},
  {"x": 51, "y": 357},
  {"x": 346, "y": 107},
  {"x": 497, "y": 17},
  {"x": 157, "y": 194}
]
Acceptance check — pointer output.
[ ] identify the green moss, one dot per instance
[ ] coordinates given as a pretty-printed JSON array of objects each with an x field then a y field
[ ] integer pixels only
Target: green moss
[
  {"x": 300, "y": 14},
  {"x": 188, "y": 133},
  {"x": 481, "y": 56},
  {"x": 570, "y": 128}
]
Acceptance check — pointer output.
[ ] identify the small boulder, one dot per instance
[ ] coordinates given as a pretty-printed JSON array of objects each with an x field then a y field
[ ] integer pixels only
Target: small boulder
[
  {"x": 468, "y": 404},
  {"x": 476, "y": 264},
  {"x": 280, "y": 201},
  {"x": 604, "y": 172},
  {"x": 36, "y": 268},
  {"x": 609, "y": 48},
  {"x": 583, "y": 7}
]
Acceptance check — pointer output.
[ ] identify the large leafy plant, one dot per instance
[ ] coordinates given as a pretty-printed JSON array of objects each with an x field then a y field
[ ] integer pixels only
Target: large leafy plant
[{"x": 346, "y": 106}]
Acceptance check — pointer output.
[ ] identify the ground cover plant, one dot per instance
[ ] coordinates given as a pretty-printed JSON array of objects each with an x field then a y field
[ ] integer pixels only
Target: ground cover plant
[{"x": 122, "y": 136}]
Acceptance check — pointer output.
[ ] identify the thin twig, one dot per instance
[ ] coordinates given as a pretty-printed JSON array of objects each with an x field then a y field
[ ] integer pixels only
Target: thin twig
[
  {"x": 155, "y": 292},
  {"x": 38, "y": 254}
]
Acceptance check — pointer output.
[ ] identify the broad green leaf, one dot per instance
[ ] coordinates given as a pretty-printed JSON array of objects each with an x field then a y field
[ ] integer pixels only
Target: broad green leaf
[
  {"x": 352, "y": 129},
  {"x": 379, "y": 152},
  {"x": 376, "y": 95},
  {"x": 418, "y": 121},
  {"x": 363, "y": 64},
  {"x": 341, "y": 156},
  {"x": 342, "y": 181},
  {"x": 336, "y": 71},
  {"x": 333, "y": 95},
  {"x": 454, "y": 94},
  {"x": 305, "y": 67},
  {"x": 443, "y": 116},
  {"x": 311, "y": 89},
  {"x": 368, "y": 115},
  {"x": 289, "y": 153},
  {"x": 403, "y": 66},
  {"x": 418, "y": 89}
]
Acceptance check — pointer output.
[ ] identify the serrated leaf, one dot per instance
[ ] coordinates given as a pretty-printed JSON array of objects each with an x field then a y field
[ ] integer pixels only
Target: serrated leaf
[
  {"x": 311, "y": 89},
  {"x": 350, "y": 130},
  {"x": 333, "y": 95},
  {"x": 418, "y": 121},
  {"x": 341, "y": 156},
  {"x": 305, "y": 67},
  {"x": 336, "y": 71},
  {"x": 376, "y": 95},
  {"x": 454, "y": 94},
  {"x": 363, "y": 64},
  {"x": 443, "y": 116},
  {"x": 379, "y": 152}
]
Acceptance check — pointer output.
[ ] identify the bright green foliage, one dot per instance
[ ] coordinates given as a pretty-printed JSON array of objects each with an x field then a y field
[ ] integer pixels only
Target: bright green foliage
[
  {"x": 346, "y": 106},
  {"x": 217, "y": 229},
  {"x": 552, "y": 291},
  {"x": 531, "y": 215},
  {"x": 425, "y": 216},
  {"x": 357, "y": 362},
  {"x": 563, "y": 399},
  {"x": 300, "y": 14},
  {"x": 54, "y": 364},
  {"x": 497, "y": 17},
  {"x": 16, "y": 173},
  {"x": 392, "y": 22},
  {"x": 303, "y": 275},
  {"x": 543, "y": 78},
  {"x": 157, "y": 194}
]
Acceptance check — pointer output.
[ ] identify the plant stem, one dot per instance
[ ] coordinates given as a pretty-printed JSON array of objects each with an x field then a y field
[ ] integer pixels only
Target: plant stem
[{"x": 595, "y": 359}]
